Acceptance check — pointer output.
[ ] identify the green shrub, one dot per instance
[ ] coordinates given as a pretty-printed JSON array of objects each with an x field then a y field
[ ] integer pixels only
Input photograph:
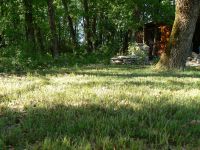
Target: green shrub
[{"x": 140, "y": 51}]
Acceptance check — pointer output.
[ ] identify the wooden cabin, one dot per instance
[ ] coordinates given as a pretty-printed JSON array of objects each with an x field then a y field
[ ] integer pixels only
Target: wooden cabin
[{"x": 157, "y": 35}]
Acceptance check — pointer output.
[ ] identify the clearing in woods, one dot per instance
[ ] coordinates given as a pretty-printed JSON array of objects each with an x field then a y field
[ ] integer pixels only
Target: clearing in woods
[{"x": 100, "y": 107}]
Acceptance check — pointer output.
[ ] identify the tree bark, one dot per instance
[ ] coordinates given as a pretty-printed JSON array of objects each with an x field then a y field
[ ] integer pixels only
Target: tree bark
[
  {"x": 52, "y": 23},
  {"x": 187, "y": 12}
]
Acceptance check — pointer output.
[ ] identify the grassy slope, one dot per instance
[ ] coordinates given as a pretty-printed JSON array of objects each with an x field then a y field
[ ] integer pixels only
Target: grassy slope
[{"x": 100, "y": 107}]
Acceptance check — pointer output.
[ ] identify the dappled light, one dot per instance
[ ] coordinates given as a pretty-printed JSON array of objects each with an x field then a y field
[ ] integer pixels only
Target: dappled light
[
  {"x": 99, "y": 74},
  {"x": 100, "y": 108}
]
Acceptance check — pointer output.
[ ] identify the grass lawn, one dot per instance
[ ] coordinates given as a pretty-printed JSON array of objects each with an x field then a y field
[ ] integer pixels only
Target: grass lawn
[{"x": 100, "y": 107}]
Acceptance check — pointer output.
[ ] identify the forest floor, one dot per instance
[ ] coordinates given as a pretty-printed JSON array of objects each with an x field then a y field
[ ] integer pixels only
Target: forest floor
[{"x": 100, "y": 107}]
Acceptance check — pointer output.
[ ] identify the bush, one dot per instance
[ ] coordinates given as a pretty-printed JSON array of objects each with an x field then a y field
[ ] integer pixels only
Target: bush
[
  {"x": 17, "y": 58},
  {"x": 21, "y": 57},
  {"x": 140, "y": 51}
]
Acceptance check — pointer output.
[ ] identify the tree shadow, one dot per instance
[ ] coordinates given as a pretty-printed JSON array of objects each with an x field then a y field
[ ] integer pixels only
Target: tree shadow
[
  {"x": 125, "y": 72},
  {"x": 153, "y": 125},
  {"x": 132, "y": 74},
  {"x": 108, "y": 71},
  {"x": 170, "y": 85}
]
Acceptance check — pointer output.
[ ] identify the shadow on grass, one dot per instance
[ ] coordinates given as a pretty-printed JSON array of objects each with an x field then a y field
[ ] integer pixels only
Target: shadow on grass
[
  {"x": 158, "y": 125},
  {"x": 109, "y": 71},
  {"x": 139, "y": 72},
  {"x": 168, "y": 85}
]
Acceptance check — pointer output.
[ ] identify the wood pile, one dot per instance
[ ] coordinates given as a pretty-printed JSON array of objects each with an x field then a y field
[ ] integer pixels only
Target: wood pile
[{"x": 193, "y": 60}]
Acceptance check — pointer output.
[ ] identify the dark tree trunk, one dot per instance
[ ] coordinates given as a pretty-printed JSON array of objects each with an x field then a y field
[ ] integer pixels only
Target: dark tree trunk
[
  {"x": 94, "y": 31},
  {"x": 39, "y": 36},
  {"x": 72, "y": 31},
  {"x": 126, "y": 40},
  {"x": 59, "y": 33},
  {"x": 100, "y": 29},
  {"x": 196, "y": 38},
  {"x": 87, "y": 27},
  {"x": 52, "y": 23},
  {"x": 2, "y": 8},
  {"x": 70, "y": 23},
  {"x": 2, "y": 41},
  {"x": 29, "y": 25},
  {"x": 187, "y": 12}
]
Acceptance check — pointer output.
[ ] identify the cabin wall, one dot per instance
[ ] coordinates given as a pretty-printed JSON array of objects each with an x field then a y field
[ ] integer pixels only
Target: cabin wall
[
  {"x": 165, "y": 32},
  {"x": 156, "y": 36},
  {"x": 139, "y": 35}
]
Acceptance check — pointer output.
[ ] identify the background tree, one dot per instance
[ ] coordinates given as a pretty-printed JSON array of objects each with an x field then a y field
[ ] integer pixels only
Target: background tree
[
  {"x": 52, "y": 23},
  {"x": 33, "y": 29},
  {"x": 29, "y": 22}
]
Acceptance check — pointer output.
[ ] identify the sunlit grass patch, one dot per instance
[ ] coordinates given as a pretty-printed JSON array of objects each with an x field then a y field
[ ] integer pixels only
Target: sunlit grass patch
[{"x": 100, "y": 107}]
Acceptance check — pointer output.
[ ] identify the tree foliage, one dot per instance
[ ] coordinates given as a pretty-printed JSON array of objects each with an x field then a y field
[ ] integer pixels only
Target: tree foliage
[{"x": 56, "y": 27}]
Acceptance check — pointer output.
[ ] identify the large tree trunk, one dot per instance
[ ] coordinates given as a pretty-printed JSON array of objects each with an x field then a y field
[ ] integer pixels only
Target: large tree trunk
[
  {"x": 52, "y": 24},
  {"x": 29, "y": 21},
  {"x": 187, "y": 12}
]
